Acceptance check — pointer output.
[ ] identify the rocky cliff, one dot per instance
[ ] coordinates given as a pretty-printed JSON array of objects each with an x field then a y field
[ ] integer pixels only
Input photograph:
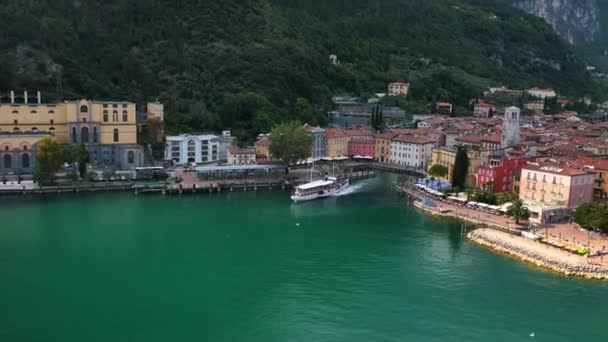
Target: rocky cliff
[{"x": 577, "y": 21}]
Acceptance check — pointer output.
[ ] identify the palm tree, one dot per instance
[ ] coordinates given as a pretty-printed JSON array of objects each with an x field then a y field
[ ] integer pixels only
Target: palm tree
[{"x": 518, "y": 211}]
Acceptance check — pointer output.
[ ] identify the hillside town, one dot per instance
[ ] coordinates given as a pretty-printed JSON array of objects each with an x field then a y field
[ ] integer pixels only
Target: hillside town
[{"x": 553, "y": 162}]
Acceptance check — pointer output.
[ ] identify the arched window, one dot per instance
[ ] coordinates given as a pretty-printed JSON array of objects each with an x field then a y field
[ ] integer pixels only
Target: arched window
[
  {"x": 131, "y": 157},
  {"x": 25, "y": 160},
  {"x": 105, "y": 116},
  {"x": 115, "y": 116},
  {"x": 33, "y": 112},
  {"x": 52, "y": 129},
  {"x": 25, "y": 147},
  {"x": 84, "y": 135},
  {"x": 6, "y": 148},
  {"x": 74, "y": 137},
  {"x": 16, "y": 129},
  {"x": 34, "y": 129},
  {"x": 125, "y": 116},
  {"x": 8, "y": 161},
  {"x": 84, "y": 109},
  {"x": 15, "y": 112},
  {"x": 95, "y": 134},
  {"x": 51, "y": 112},
  {"x": 116, "y": 135}
]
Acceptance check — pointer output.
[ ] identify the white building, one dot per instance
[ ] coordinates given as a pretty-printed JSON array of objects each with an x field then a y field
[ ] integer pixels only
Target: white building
[
  {"x": 398, "y": 89},
  {"x": 510, "y": 128},
  {"x": 225, "y": 140},
  {"x": 541, "y": 93},
  {"x": 186, "y": 148},
  {"x": 412, "y": 151}
]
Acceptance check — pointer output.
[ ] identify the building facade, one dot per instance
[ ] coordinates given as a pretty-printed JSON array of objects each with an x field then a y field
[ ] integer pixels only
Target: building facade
[
  {"x": 447, "y": 157},
  {"x": 336, "y": 143},
  {"x": 483, "y": 110},
  {"x": 412, "y": 151},
  {"x": 362, "y": 147},
  {"x": 383, "y": 147},
  {"x": 398, "y": 89},
  {"x": 500, "y": 173},
  {"x": 108, "y": 129},
  {"x": 541, "y": 93},
  {"x": 241, "y": 156},
  {"x": 551, "y": 192},
  {"x": 18, "y": 151},
  {"x": 186, "y": 148},
  {"x": 317, "y": 148}
]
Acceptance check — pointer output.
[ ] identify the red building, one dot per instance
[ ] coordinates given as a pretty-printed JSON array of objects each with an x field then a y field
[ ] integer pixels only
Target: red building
[
  {"x": 500, "y": 171},
  {"x": 362, "y": 147}
]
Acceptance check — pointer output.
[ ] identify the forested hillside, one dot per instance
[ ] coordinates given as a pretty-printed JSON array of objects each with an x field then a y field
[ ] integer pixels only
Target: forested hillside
[{"x": 247, "y": 64}]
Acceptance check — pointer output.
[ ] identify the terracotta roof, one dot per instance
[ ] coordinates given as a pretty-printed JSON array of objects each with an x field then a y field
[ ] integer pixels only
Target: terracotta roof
[
  {"x": 362, "y": 141},
  {"x": 495, "y": 138},
  {"x": 601, "y": 164},
  {"x": 472, "y": 139},
  {"x": 335, "y": 133},
  {"x": 386, "y": 136},
  {"x": 408, "y": 139},
  {"x": 484, "y": 105},
  {"x": 557, "y": 169},
  {"x": 262, "y": 142},
  {"x": 233, "y": 149}
]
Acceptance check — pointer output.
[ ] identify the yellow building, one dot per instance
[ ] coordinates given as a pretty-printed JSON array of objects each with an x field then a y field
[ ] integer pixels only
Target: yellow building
[
  {"x": 18, "y": 151},
  {"x": 241, "y": 156},
  {"x": 108, "y": 129},
  {"x": 151, "y": 123},
  {"x": 262, "y": 148},
  {"x": 447, "y": 157},
  {"x": 383, "y": 147},
  {"x": 336, "y": 143}
]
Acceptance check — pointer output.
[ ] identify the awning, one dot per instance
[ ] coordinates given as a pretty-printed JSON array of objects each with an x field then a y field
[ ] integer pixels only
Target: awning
[
  {"x": 460, "y": 199},
  {"x": 483, "y": 205}
]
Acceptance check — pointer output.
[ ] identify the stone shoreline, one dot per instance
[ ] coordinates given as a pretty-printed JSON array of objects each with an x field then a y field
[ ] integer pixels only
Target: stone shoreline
[{"x": 538, "y": 254}]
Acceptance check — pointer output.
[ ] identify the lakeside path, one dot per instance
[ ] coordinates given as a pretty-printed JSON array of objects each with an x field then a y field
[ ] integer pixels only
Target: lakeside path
[
  {"x": 503, "y": 240},
  {"x": 538, "y": 254}
]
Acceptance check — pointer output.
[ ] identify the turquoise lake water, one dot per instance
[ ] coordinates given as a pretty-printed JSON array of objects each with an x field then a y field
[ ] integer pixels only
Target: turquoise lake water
[{"x": 254, "y": 267}]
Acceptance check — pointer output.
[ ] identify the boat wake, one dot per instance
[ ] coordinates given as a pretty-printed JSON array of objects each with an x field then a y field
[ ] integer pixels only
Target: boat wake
[{"x": 353, "y": 188}]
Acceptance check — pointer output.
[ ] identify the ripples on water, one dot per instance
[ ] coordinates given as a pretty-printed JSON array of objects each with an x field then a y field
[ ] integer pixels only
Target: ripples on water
[{"x": 254, "y": 267}]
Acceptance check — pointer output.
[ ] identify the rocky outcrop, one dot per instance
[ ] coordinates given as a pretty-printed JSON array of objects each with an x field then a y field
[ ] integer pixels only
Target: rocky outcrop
[
  {"x": 577, "y": 21},
  {"x": 537, "y": 254}
]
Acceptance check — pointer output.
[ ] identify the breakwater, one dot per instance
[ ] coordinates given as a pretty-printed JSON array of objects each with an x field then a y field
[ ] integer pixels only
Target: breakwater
[{"x": 538, "y": 254}]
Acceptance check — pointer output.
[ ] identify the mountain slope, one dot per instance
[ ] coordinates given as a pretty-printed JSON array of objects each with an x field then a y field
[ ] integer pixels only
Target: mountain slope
[
  {"x": 577, "y": 21},
  {"x": 192, "y": 53}
]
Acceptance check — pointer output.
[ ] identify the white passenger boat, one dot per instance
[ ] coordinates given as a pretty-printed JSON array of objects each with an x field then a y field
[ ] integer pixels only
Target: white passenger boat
[{"x": 326, "y": 187}]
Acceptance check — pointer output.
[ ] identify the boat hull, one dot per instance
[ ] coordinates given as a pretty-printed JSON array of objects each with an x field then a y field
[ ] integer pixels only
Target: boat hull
[{"x": 333, "y": 192}]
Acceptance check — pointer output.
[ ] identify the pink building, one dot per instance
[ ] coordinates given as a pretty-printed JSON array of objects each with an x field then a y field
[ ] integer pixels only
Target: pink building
[
  {"x": 552, "y": 191},
  {"x": 362, "y": 147}
]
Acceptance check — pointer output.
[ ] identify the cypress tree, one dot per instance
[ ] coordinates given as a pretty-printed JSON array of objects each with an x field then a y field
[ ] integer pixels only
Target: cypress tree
[{"x": 461, "y": 165}]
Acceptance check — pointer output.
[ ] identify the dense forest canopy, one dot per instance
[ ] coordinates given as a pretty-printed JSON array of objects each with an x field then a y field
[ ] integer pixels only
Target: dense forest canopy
[{"x": 205, "y": 59}]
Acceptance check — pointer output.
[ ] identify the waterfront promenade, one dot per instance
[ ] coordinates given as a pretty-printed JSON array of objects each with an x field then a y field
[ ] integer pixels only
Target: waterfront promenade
[
  {"x": 539, "y": 254},
  {"x": 566, "y": 233}
]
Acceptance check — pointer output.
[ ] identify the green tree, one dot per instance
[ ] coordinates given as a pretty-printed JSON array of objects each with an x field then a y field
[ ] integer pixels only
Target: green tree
[
  {"x": 76, "y": 154},
  {"x": 49, "y": 159},
  {"x": 506, "y": 198},
  {"x": 461, "y": 166},
  {"x": 377, "y": 119},
  {"x": 592, "y": 216},
  {"x": 289, "y": 143},
  {"x": 518, "y": 211},
  {"x": 438, "y": 171}
]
